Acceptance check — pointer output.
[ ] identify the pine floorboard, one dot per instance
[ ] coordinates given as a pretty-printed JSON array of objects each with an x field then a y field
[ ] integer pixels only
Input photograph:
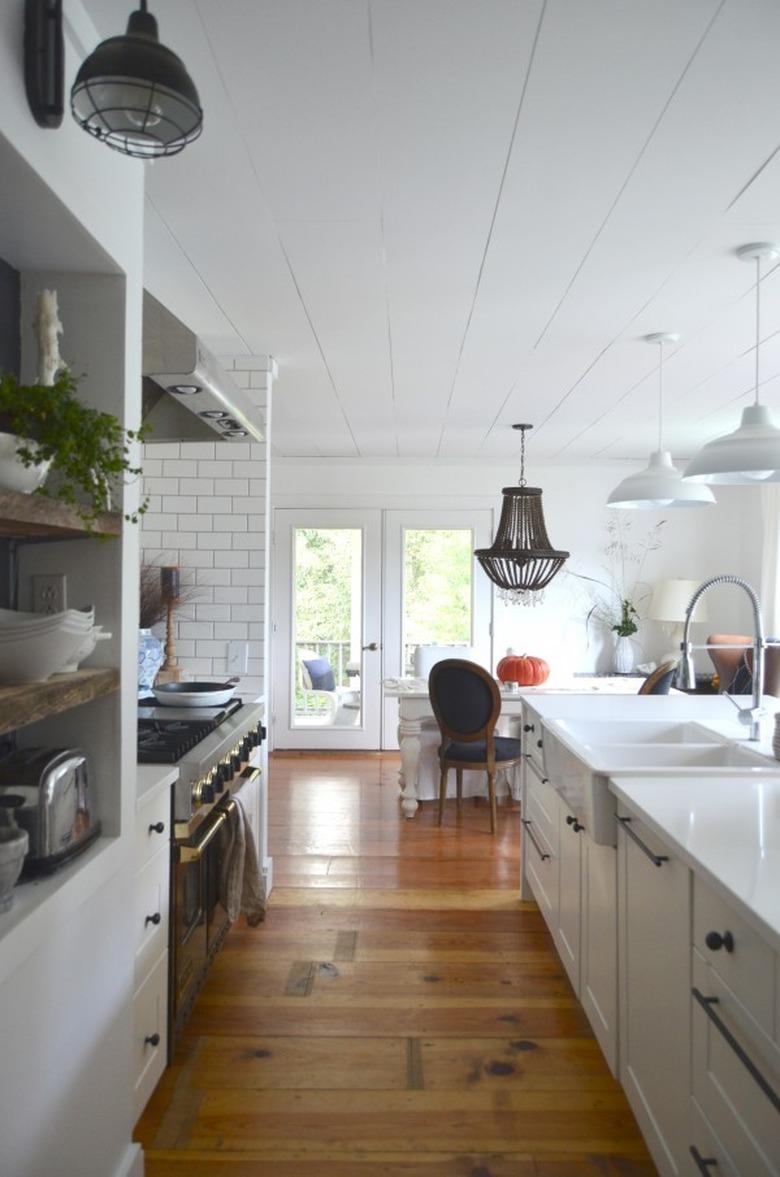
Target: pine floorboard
[{"x": 400, "y": 1013}]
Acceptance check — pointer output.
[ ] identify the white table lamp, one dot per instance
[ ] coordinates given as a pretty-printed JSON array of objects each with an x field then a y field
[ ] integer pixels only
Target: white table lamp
[{"x": 668, "y": 603}]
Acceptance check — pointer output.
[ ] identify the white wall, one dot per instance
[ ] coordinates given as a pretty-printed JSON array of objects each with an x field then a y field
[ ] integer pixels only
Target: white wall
[
  {"x": 208, "y": 515},
  {"x": 695, "y": 543},
  {"x": 70, "y": 205}
]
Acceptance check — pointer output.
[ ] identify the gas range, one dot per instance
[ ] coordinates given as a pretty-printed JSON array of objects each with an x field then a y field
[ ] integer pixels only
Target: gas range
[{"x": 210, "y": 745}]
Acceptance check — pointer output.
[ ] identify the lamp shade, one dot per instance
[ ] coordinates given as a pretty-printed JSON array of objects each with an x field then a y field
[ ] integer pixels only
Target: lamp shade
[
  {"x": 671, "y": 599},
  {"x": 748, "y": 455},
  {"x": 659, "y": 485},
  {"x": 135, "y": 94}
]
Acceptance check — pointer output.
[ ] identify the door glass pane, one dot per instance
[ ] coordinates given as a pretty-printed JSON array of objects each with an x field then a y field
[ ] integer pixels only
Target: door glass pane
[
  {"x": 327, "y": 627},
  {"x": 437, "y": 596}
]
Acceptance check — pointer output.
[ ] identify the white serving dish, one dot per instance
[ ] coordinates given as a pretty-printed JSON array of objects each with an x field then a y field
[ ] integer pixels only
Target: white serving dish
[
  {"x": 14, "y": 475},
  {"x": 36, "y": 657},
  {"x": 16, "y": 621},
  {"x": 90, "y": 641}
]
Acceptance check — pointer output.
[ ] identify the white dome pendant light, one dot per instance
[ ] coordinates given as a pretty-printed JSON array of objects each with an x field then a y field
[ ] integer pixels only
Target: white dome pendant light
[
  {"x": 751, "y": 453},
  {"x": 660, "y": 485}
]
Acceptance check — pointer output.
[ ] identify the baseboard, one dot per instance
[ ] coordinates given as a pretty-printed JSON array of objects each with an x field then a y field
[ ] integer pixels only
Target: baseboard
[{"x": 132, "y": 1164}]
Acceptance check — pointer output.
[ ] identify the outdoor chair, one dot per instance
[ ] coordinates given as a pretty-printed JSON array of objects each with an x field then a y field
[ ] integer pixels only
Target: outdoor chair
[
  {"x": 467, "y": 704},
  {"x": 318, "y": 681}
]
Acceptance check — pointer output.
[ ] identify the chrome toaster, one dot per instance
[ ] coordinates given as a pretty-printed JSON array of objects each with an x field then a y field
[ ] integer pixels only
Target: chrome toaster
[{"x": 58, "y": 810}]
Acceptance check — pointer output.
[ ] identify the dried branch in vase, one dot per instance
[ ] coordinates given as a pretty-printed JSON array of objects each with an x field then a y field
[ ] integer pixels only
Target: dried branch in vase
[{"x": 153, "y": 602}]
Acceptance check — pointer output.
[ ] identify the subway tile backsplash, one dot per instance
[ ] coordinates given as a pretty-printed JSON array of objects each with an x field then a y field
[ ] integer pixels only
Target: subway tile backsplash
[{"x": 209, "y": 516}]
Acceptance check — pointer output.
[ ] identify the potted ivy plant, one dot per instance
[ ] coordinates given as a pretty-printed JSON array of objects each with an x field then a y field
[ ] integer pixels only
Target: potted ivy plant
[{"x": 46, "y": 430}]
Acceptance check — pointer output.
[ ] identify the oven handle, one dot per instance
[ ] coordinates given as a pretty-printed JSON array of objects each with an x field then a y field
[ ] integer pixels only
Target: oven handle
[
  {"x": 249, "y": 776},
  {"x": 195, "y": 853}
]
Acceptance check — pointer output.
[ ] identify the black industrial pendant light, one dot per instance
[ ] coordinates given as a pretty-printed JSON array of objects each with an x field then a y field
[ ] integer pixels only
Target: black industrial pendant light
[
  {"x": 521, "y": 560},
  {"x": 135, "y": 94}
]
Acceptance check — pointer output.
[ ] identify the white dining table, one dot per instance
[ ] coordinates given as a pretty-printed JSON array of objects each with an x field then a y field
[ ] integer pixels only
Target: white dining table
[{"x": 415, "y": 717}]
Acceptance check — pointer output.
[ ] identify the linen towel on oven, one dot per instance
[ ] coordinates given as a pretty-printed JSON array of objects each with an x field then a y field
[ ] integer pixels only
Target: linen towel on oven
[{"x": 242, "y": 881}]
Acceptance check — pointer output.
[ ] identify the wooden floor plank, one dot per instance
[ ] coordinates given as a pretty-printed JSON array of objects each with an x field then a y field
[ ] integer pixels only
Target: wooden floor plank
[{"x": 400, "y": 1013}]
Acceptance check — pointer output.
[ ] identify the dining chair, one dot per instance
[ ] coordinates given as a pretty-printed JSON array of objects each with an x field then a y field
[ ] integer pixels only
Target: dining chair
[
  {"x": 466, "y": 703},
  {"x": 659, "y": 682}
]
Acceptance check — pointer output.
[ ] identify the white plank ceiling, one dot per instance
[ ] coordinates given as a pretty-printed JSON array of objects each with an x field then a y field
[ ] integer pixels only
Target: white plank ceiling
[{"x": 444, "y": 216}]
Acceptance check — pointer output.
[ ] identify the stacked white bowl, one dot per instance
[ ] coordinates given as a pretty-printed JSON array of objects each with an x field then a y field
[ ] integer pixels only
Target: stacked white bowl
[{"x": 33, "y": 646}]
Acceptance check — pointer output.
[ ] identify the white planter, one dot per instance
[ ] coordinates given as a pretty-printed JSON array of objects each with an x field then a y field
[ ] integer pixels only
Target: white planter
[
  {"x": 623, "y": 661},
  {"x": 14, "y": 475}
]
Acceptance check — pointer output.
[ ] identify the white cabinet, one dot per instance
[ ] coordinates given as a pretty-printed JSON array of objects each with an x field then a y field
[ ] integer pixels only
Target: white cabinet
[
  {"x": 151, "y": 884},
  {"x": 654, "y": 989},
  {"x": 567, "y": 930},
  {"x": 574, "y": 881},
  {"x": 735, "y": 1079},
  {"x": 598, "y": 964}
]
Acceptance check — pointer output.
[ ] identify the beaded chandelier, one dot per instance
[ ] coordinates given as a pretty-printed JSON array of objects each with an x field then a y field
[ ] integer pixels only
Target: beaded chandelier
[{"x": 521, "y": 560}]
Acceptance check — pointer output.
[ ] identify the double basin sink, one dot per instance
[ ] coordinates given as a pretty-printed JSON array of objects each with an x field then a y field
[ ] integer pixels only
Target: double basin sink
[{"x": 580, "y": 756}]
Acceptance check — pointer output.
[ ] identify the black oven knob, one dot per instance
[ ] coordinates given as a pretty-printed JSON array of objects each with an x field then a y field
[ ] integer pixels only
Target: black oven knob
[
  {"x": 216, "y": 781},
  {"x": 226, "y": 769},
  {"x": 235, "y": 759},
  {"x": 261, "y": 732},
  {"x": 246, "y": 747}
]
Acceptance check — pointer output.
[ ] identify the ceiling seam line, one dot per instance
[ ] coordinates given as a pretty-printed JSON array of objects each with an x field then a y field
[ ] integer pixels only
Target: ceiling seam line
[
  {"x": 279, "y": 240},
  {"x": 630, "y": 173},
  {"x": 166, "y": 225},
  {"x": 640, "y": 311},
  {"x": 752, "y": 179},
  {"x": 489, "y": 237},
  {"x": 380, "y": 186}
]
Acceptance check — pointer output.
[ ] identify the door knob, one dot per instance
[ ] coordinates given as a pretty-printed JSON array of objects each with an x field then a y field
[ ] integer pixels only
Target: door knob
[{"x": 371, "y": 646}]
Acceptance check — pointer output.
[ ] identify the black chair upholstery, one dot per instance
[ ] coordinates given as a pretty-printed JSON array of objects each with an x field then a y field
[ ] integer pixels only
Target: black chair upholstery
[
  {"x": 660, "y": 681},
  {"x": 467, "y": 704}
]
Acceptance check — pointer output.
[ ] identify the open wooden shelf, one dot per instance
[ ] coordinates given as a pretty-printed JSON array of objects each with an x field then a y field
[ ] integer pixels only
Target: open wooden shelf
[
  {"x": 31, "y": 516},
  {"x": 29, "y": 702}
]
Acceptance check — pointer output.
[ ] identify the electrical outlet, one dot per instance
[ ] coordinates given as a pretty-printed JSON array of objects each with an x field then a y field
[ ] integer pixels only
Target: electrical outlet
[
  {"x": 49, "y": 592},
  {"x": 238, "y": 657}
]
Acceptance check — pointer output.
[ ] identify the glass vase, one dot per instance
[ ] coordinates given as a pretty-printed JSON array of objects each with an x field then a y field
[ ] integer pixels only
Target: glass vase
[{"x": 150, "y": 658}]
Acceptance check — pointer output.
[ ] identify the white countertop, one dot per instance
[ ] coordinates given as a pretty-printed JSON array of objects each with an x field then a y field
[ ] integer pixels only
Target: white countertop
[
  {"x": 728, "y": 831},
  {"x": 585, "y": 686},
  {"x": 152, "y": 778}
]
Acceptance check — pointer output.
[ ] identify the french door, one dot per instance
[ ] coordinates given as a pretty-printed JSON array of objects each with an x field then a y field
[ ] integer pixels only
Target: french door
[
  {"x": 327, "y": 650},
  {"x": 356, "y": 592},
  {"x": 435, "y": 593}
]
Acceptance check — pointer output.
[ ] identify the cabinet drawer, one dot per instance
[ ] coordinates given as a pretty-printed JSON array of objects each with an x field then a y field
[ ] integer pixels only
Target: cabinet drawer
[
  {"x": 705, "y": 1147},
  {"x": 532, "y": 737},
  {"x": 541, "y": 868},
  {"x": 151, "y": 886},
  {"x": 542, "y": 805},
  {"x": 149, "y": 838},
  {"x": 731, "y": 1097},
  {"x": 749, "y": 968},
  {"x": 150, "y": 1034}
]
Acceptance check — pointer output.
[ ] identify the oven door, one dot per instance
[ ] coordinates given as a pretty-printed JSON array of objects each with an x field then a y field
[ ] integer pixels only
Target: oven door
[
  {"x": 217, "y": 861},
  {"x": 192, "y": 870}
]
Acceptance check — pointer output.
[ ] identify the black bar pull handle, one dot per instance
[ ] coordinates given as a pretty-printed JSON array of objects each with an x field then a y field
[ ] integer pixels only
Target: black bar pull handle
[
  {"x": 706, "y": 1004},
  {"x": 529, "y": 830},
  {"x": 703, "y": 1164},
  {"x": 656, "y": 859}
]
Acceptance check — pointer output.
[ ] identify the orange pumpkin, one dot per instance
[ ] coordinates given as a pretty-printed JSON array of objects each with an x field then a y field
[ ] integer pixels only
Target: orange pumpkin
[{"x": 523, "y": 669}]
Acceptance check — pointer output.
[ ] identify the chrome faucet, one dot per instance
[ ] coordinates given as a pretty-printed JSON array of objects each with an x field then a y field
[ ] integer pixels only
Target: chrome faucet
[{"x": 686, "y": 675}]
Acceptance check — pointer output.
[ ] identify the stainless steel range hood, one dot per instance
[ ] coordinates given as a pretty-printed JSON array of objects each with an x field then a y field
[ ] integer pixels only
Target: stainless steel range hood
[{"x": 187, "y": 395}]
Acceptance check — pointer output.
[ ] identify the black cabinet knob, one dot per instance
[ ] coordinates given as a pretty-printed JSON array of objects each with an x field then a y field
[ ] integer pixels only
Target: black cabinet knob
[
  {"x": 528, "y": 727},
  {"x": 575, "y": 825},
  {"x": 545, "y": 780},
  {"x": 152, "y": 1040},
  {"x": 539, "y": 743},
  {"x": 157, "y": 828},
  {"x": 153, "y": 919},
  {"x": 715, "y": 941}
]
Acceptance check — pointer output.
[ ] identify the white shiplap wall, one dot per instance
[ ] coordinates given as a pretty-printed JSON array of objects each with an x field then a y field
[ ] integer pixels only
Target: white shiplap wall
[{"x": 208, "y": 514}]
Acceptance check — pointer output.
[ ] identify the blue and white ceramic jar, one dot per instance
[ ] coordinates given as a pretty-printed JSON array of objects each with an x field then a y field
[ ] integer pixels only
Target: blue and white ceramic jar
[{"x": 150, "y": 658}]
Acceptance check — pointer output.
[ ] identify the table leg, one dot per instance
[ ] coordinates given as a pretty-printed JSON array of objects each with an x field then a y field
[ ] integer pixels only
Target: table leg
[{"x": 410, "y": 743}]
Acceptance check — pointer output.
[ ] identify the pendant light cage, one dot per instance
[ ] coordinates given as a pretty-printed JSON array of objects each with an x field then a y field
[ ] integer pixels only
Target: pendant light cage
[
  {"x": 521, "y": 561},
  {"x": 135, "y": 95}
]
